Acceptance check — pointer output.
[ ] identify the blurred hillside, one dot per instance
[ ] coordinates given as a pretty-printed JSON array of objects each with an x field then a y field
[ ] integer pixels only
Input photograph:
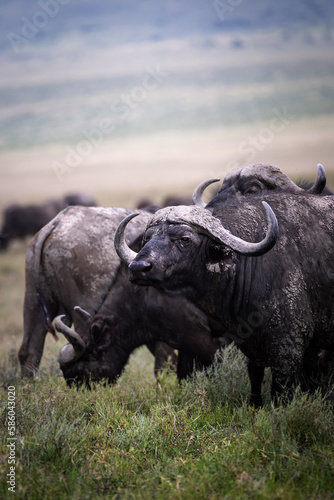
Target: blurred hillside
[
  {"x": 126, "y": 98},
  {"x": 130, "y": 21}
]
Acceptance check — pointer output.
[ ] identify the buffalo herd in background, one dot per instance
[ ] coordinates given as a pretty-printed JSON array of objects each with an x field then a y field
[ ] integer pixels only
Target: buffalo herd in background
[
  {"x": 20, "y": 221},
  {"x": 253, "y": 266}
]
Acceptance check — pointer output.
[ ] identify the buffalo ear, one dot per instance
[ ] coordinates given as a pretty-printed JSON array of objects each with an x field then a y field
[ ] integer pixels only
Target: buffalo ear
[
  {"x": 218, "y": 257},
  {"x": 100, "y": 329},
  {"x": 96, "y": 331}
]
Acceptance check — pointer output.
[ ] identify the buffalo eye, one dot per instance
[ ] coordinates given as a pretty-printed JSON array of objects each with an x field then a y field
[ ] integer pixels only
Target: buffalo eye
[
  {"x": 147, "y": 236},
  {"x": 252, "y": 190},
  {"x": 184, "y": 241}
]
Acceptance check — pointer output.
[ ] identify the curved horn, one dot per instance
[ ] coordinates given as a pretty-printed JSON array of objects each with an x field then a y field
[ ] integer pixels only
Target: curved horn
[
  {"x": 320, "y": 183},
  {"x": 205, "y": 223},
  {"x": 124, "y": 252},
  {"x": 316, "y": 188},
  {"x": 85, "y": 315},
  {"x": 219, "y": 233},
  {"x": 198, "y": 193},
  {"x": 76, "y": 347}
]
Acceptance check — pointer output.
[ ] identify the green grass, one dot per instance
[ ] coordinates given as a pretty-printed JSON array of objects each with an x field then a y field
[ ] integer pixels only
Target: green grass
[
  {"x": 143, "y": 439},
  {"x": 140, "y": 439}
]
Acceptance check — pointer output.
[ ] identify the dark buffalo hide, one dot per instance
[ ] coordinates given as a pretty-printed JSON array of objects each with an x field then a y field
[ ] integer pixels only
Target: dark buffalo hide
[{"x": 277, "y": 307}]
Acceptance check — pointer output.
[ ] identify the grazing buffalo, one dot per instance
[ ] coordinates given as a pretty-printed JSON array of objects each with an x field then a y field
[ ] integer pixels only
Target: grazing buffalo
[
  {"x": 128, "y": 321},
  {"x": 82, "y": 199},
  {"x": 22, "y": 221},
  {"x": 271, "y": 295},
  {"x": 71, "y": 261}
]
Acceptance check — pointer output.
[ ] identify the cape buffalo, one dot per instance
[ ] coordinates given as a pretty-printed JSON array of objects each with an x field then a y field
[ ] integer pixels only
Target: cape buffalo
[
  {"x": 245, "y": 181},
  {"x": 260, "y": 177},
  {"x": 250, "y": 180},
  {"x": 71, "y": 261},
  {"x": 47, "y": 252},
  {"x": 21, "y": 221},
  {"x": 79, "y": 240},
  {"x": 274, "y": 300},
  {"x": 83, "y": 199},
  {"x": 143, "y": 316}
]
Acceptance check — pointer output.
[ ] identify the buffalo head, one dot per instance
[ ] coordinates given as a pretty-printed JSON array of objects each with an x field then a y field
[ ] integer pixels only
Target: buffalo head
[
  {"x": 97, "y": 355},
  {"x": 180, "y": 237},
  {"x": 256, "y": 179}
]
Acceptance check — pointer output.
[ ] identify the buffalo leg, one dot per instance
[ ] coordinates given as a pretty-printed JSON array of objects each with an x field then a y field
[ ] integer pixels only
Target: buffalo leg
[
  {"x": 185, "y": 365},
  {"x": 284, "y": 381},
  {"x": 311, "y": 371},
  {"x": 326, "y": 363},
  {"x": 32, "y": 346},
  {"x": 256, "y": 375},
  {"x": 164, "y": 355}
]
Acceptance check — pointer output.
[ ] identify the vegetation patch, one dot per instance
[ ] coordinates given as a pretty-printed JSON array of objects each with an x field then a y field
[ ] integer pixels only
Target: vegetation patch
[{"x": 141, "y": 438}]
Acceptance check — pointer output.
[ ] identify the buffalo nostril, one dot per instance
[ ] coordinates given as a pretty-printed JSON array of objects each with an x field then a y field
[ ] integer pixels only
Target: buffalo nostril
[{"x": 140, "y": 266}]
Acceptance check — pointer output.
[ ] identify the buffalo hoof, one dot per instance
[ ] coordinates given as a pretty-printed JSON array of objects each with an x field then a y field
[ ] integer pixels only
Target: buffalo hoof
[{"x": 256, "y": 400}]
